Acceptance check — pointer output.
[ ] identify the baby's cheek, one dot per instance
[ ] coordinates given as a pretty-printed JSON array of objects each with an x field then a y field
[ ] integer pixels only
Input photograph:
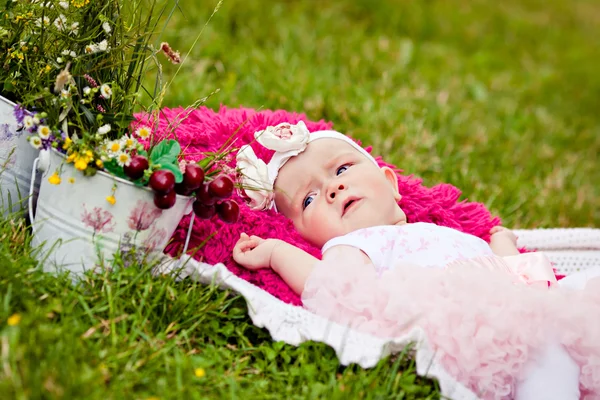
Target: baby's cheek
[{"x": 322, "y": 229}]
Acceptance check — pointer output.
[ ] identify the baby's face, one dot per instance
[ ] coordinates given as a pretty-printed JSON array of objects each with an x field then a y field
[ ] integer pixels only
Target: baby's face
[{"x": 331, "y": 189}]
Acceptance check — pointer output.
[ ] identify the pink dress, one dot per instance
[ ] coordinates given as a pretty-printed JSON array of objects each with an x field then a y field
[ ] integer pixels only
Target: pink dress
[{"x": 486, "y": 315}]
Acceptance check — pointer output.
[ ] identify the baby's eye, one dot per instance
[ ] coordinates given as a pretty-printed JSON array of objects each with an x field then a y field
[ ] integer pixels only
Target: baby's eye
[
  {"x": 307, "y": 200},
  {"x": 342, "y": 169}
]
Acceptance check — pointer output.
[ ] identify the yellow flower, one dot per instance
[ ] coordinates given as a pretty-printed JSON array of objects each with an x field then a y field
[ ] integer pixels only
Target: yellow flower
[
  {"x": 111, "y": 199},
  {"x": 99, "y": 163},
  {"x": 199, "y": 372},
  {"x": 71, "y": 180},
  {"x": 54, "y": 179},
  {"x": 72, "y": 157},
  {"x": 14, "y": 320},
  {"x": 81, "y": 163},
  {"x": 80, "y": 3},
  {"x": 67, "y": 144}
]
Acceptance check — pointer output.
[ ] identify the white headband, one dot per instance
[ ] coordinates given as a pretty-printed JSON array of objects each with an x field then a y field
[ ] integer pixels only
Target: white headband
[{"x": 288, "y": 141}]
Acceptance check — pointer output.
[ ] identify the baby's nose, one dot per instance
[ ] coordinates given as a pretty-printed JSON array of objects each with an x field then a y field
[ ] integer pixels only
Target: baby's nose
[{"x": 332, "y": 193}]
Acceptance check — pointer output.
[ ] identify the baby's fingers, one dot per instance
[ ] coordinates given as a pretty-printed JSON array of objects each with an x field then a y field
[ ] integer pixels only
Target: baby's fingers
[{"x": 497, "y": 229}]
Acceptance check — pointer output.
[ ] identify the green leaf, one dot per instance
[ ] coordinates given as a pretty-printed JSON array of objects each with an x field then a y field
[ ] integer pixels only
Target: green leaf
[
  {"x": 115, "y": 169},
  {"x": 8, "y": 86},
  {"x": 175, "y": 170},
  {"x": 121, "y": 120},
  {"x": 88, "y": 114},
  {"x": 204, "y": 162},
  {"x": 142, "y": 182},
  {"x": 165, "y": 152}
]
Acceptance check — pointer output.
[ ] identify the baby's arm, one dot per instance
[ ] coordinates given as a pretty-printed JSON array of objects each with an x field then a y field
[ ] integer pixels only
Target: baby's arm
[
  {"x": 291, "y": 263},
  {"x": 503, "y": 242}
]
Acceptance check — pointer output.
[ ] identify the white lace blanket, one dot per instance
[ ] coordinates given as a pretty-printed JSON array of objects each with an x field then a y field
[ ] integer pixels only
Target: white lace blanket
[{"x": 569, "y": 249}]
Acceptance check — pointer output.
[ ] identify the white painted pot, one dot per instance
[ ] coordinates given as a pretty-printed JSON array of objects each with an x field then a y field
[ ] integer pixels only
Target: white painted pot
[
  {"x": 16, "y": 159},
  {"x": 75, "y": 227}
]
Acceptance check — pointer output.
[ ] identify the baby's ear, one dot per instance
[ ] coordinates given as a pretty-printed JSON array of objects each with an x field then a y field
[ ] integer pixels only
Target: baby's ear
[{"x": 391, "y": 177}]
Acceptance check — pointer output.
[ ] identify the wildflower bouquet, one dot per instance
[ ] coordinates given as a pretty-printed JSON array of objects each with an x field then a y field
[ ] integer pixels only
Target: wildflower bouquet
[{"x": 79, "y": 65}]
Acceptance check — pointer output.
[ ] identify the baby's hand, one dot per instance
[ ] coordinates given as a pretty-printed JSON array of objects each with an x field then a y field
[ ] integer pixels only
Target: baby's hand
[
  {"x": 253, "y": 252},
  {"x": 501, "y": 233}
]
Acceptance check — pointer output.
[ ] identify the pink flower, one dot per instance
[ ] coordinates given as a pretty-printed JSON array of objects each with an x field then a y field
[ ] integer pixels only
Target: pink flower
[
  {"x": 98, "y": 219},
  {"x": 283, "y": 131},
  {"x": 156, "y": 238},
  {"x": 172, "y": 55},
  {"x": 142, "y": 216}
]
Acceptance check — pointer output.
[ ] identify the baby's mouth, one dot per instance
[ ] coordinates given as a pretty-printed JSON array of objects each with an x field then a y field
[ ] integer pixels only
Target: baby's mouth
[{"x": 349, "y": 205}]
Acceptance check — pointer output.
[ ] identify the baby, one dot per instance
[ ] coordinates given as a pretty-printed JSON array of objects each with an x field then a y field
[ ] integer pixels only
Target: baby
[
  {"x": 340, "y": 200},
  {"x": 333, "y": 191}
]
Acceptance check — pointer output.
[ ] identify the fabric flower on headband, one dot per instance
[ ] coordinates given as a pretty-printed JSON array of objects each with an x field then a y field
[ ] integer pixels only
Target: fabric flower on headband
[
  {"x": 287, "y": 140},
  {"x": 255, "y": 178},
  {"x": 284, "y": 137}
]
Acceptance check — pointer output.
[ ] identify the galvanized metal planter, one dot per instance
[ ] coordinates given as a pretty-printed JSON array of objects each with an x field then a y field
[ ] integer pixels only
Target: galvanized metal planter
[
  {"x": 16, "y": 160},
  {"x": 76, "y": 227}
]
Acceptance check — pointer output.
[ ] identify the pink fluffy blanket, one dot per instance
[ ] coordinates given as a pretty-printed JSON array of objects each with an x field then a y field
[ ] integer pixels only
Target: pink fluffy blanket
[{"x": 203, "y": 130}]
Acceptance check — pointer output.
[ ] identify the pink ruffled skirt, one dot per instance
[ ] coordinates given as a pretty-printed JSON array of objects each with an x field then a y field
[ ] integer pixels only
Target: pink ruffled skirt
[{"x": 486, "y": 317}]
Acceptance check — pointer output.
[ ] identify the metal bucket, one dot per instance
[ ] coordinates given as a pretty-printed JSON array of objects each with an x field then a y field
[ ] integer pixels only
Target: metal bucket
[
  {"x": 16, "y": 160},
  {"x": 75, "y": 226}
]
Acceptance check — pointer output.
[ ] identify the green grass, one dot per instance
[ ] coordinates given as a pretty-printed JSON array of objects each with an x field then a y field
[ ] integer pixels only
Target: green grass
[{"x": 498, "y": 98}]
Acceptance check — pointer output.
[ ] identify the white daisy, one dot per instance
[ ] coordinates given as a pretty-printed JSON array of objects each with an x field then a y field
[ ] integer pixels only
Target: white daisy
[
  {"x": 73, "y": 54},
  {"x": 35, "y": 141},
  {"x": 39, "y": 22},
  {"x": 104, "y": 129},
  {"x": 36, "y": 120},
  {"x": 91, "y": 48},
  {"x": 28, "y": 122},
  {"x": 143, "y": 132},
  {"x": 113, "y": 148},
  {"x": 64, "y": 4},
  {"x": 64, "y": 94},
  {"x": 105, "y": 91},
  {"x": 103, "y": 45},
  {"x": 59, "y": 60},
  {"x": 106, "y": 27},
  {"x": 123, "y": 159},
  {"x": 128, "y": 142},
  {"x": 60, "y": 22},
  {"x": 43, "y": 131},
  {"x": 75, "y": 28}
]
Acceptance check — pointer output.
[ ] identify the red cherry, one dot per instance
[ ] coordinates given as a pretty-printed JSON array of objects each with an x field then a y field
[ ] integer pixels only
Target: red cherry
[
  {"x": 221, "y": 186},
  {"x": 137, "y": 166},
  {"x": 166, "y": 200},
  {"x": 181, "y": 189},
  {"x": 203, "y": 211},
  {"x": 228, "y": 211},
  {"x": 203, "y": 195},
  {"x": 162, "y": 181},
  {"x": 193, "y": 176}
]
